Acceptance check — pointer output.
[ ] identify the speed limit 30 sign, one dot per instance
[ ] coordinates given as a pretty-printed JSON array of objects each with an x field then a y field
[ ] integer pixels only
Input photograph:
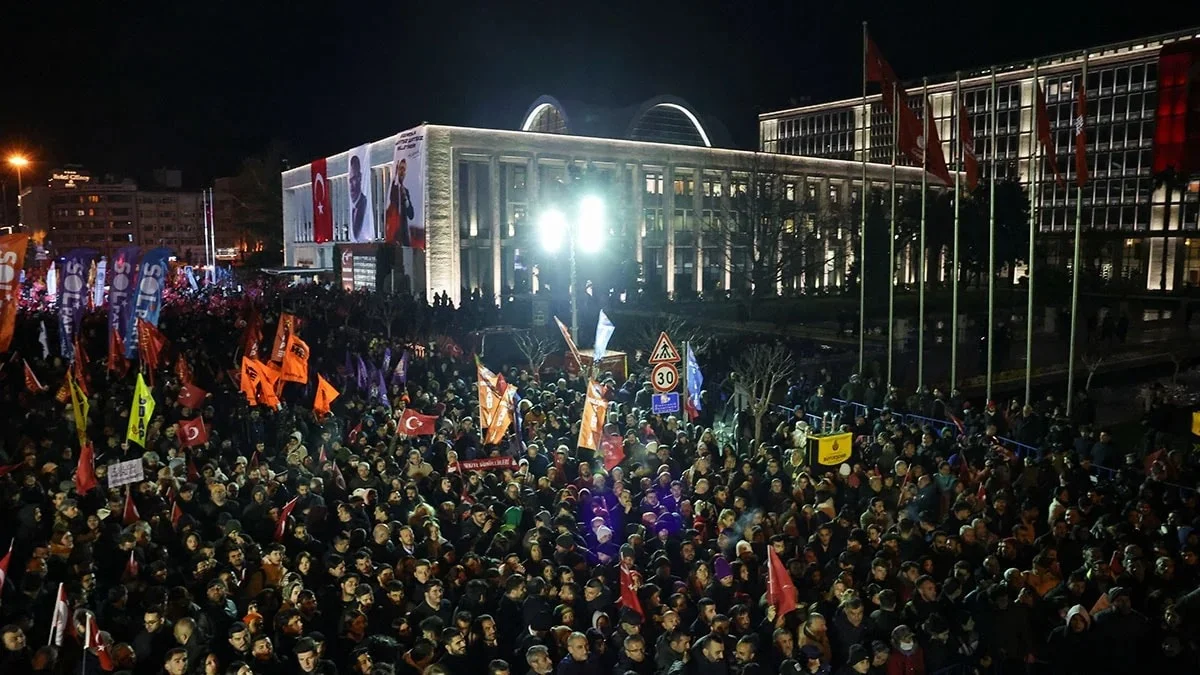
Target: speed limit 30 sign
[{"x": 664, "y": 377}]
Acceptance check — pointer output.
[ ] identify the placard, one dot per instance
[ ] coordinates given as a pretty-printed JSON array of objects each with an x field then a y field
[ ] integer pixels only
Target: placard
[{"x": 124, "y": 473}]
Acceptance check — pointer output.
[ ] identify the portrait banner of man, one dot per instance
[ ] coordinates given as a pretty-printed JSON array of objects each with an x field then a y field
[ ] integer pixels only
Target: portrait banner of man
[
  {"x": 404, "y": 216},
  {"x": 362, "y": 218}
]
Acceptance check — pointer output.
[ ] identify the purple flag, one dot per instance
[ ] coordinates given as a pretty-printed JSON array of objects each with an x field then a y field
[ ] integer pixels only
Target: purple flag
[
  {"x": 387, "y": 358},
  {"x": 383, "y": 390},
  {"x": 72, "y": 297},
  {"x": 362, "y": 373},
  {"x": 401, "y": 372}
]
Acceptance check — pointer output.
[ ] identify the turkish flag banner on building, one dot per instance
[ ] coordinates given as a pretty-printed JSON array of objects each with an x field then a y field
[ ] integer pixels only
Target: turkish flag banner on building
[
  {"x": 414, "y": 423},
  {"x": 322, "y": 211},
  {"x": 192, "y": 432}
]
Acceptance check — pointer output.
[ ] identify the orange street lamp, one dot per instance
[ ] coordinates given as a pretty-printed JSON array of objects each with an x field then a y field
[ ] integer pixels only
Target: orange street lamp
[{"x": 19, "y": 162}]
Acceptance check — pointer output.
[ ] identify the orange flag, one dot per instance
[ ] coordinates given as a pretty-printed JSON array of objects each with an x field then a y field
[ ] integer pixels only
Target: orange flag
[
  {"x": 250, "y": 377},
  {"x": 31, "y": 381},
  {"x": 501, "y": 417},
  {"x": 325, "y": 396},
  {"x": 287, "y": 326},
  {"x": 269, "y": 385},
  {"x": 595, "y": 413},
  {"x": 12, "y": 260},
  {"x": 295, "y": 361}
]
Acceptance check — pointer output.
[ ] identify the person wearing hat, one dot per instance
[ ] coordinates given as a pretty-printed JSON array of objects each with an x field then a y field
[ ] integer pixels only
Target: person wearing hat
[
  {"x": 906, "y": 657},
  {"x": 858, "y": 662},
  {"x": 629, "y": 623},
  {"x": 1120, "y": 631}
]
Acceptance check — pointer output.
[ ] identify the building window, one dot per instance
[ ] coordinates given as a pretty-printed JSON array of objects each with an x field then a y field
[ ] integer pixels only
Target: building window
[
  {"x": 654, "y": 184},
  {"x": 518, "y": 177}
]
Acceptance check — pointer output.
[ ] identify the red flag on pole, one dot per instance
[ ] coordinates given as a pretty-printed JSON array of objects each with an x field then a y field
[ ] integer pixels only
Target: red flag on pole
[
  {"x": 911, "y": 134},
  {"x": 93, "y": 641},
  {"x": 132, "y": 568},
  {"x": 151, "y": 343},
  {"x": 338, "y": 479},
  {"x": 781, "y": 592},
  {"x": 1044, "y": 137},
  {"x": 131, "y": 515},
  {"x": 1080, "y": 122},
  {"x": 191, "y": 396},
  {"x": 192, "y": 432},
  {"x": 284, "y": 514},
  {"x": 966, "y": 140},
  {"x": 85, "y": 470},
  {"x": 60, "y": 618},
  {"x": 4, "y": 564},
  {"x": 629, "y": 598},
  {"x": 116, "y": 354},
  {"x": 32, "y": 383},
  {"x": 414, "y": 423}
]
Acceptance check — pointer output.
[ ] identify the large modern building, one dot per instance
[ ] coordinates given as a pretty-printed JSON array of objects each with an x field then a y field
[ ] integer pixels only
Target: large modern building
[
  {"x": 1136, "y": 228},
  {"x": 74, "y": 209},
  {"x": 675, "y": 204}
]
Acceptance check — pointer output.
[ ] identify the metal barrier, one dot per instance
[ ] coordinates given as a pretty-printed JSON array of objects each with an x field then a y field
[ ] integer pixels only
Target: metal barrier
[{"x": 859, "y": 408}]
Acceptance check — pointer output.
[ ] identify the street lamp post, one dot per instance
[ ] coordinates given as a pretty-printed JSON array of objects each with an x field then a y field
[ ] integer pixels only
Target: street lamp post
[
  {"x": 19, "y": 162},
  {"x": 587, "y": 232}
]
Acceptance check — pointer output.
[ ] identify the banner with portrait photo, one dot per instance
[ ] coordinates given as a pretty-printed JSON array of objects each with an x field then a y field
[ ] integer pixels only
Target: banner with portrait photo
[
  {"x": 362, "y": 217},
  {"x": 405, "y": 214}
]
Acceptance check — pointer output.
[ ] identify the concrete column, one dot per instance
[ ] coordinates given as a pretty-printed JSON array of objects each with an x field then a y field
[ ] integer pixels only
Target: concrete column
[
  {"x": 669, "y": 214},
  {"x": 698, "y": 225},
  {"x": 639, "y": 213},
  {"x": 532, "y": 187},
  {"x": 727, "y": 243},
  {"x": 497, "y": 223},
  {"x": 472, "y": 201}
]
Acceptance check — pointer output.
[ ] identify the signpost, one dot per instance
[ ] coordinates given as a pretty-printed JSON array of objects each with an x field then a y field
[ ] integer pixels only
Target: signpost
[{"x": 664, "y": 351}]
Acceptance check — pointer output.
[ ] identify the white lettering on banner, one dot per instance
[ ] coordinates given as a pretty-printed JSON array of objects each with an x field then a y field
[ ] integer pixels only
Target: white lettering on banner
[
  {"x": 124, "y": 473},
  {"x": 8, "y": 274}
]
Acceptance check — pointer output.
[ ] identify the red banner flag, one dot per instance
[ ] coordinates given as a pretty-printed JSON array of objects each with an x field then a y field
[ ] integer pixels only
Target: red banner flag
[
  {"x": 1044, "y": 137},
  {"x": 1080, "y": 122},
  {"x": 32, "y": 383},
  {"x": 117, "y": 363},
  {"x": 781, "y": 592},
  {"x": 93, "y": 641},
  {"x": 284, "y": 514},
  {"x": 12, "y": 261},
  {"x": 192, "y": 432},
  {"x": 613, "y": 446},
  {"x": 935, "y": 163},
  {"x": 629, "y": 597},
  {"x": 130, "y": 515},
  {"x": 85, "y": 470},
  {"x": 252, "y": 335},
  {"x": 151, "y": 343},
  {"x": 176, "y": 514},
  {"x": 322, "y": 211},
  {"x": 191, "y": 396},
  {"x": 414, "y": 423},
  {"x": 966, "y": 140},
  {"x": 909, "y": 138}
]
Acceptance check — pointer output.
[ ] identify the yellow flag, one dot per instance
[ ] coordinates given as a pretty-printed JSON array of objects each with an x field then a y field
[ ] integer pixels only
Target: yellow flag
[
  {"x": 80, "y": 406},
  {"x": 595, "y": 414},
  {"x": 834, "y": 449},
  {"x": 142, "y": 409},
  {"x": 1196, "y": 423}
]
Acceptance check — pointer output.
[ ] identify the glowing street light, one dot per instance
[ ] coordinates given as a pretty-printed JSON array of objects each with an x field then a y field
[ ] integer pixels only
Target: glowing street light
[
  {"x": 18, "y": 162},
  {"x": 587, "y": 231}
]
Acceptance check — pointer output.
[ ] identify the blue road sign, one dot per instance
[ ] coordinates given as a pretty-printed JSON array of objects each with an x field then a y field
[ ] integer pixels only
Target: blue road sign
[{"x": 665, "y": 403}]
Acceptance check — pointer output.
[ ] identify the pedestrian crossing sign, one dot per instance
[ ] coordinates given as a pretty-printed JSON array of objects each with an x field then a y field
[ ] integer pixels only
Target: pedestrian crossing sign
[{"x": 664, "y": 351}]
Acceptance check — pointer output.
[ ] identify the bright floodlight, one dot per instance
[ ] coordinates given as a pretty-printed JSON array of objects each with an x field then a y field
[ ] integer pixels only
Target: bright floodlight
[
  {"x": 18, "y": 161},
  {"x": 552, "y": 229},
  {"x": 591, "y": 224}
]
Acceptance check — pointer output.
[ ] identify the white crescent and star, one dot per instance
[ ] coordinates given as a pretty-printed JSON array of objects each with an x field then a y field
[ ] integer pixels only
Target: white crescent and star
[
  {"x": 192, "y": 433},
  {"x": 320, "y": 200},
  {"x": 408, "y": 423}
]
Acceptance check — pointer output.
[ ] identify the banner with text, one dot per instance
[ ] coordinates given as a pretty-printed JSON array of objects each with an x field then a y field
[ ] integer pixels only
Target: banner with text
[{"x": 147, "y": 297}]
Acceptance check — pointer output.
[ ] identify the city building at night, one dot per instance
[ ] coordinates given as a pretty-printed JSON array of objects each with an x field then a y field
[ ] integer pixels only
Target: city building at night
[
  {"x": 472, "y": 198},
  {"x": 1136, "y": 228}
]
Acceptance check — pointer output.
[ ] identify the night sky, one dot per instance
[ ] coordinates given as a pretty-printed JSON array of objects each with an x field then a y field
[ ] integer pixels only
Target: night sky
[{"x": 126, "y": 87}]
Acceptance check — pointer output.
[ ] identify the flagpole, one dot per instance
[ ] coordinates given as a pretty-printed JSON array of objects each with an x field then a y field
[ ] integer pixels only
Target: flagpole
[
  {"x": 1034, "y": 171},
  {"x": 892, "y": 239},
  {"x": 955, "y": 133},
  {"x": 862, "y": 222},
  {"x": 991, "y": 288},
  {"x": 1075, "y": 271},
  {"x": 921, "y": 244}
]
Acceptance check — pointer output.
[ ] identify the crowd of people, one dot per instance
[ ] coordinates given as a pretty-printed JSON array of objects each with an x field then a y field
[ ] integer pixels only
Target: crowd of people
[{"x": 934, "y": 549}]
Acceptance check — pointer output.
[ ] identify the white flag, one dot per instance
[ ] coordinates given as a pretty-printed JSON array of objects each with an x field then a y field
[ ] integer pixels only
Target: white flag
[
  {"x": 44, "y": 340},
  {"x": 98, "y": 289},
  {"x": 604, "y": 333},
  {"x": 58, "y": 623}
]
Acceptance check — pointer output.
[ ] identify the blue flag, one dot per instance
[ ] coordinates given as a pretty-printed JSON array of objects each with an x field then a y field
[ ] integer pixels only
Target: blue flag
[
  {"x": 72, "y": 298},
  {"x": 604, "y": 333},
  {"x": 147, "y": 295},
  {"x": 695, "y": 380}
]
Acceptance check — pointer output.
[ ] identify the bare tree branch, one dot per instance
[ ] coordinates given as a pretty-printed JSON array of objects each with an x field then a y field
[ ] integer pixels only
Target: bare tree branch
[
  {"x": 536, "y": 347},
  {"x": 760, "y": 369}
]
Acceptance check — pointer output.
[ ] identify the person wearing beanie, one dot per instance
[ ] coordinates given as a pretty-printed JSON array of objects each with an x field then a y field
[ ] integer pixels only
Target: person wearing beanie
[
  {"x": 906, "y": 658},
  {"x": 858, "y": 662}
]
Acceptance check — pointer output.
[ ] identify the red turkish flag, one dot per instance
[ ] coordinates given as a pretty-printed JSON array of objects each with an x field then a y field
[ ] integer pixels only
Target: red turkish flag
[
  {"x": 415, "y": 424},
  {"x": 4, "y": 564},
  {"x": 781, "y": 592},
  {"x": 613, "y": 446},
  {"x": 284, "y": 514},
  {"x": 191, "y": 396},
  {"x": 132, "y": 568},
  {"x": 176, "y": 514},
  {"x": 192, "y": 432},
  {"x": 935, "y": 162},
  {"x": 1044, "y": 137},
  {"x": 131, "y": 515},
  {"x": 895, "y": 101},
  {"x": 322, "y": 211},
  {"x": 85, "y": 470},
  {"x": 1080, "y": 122},
  {"x": 92, "y": 641},
  {"x": 629, "y": 598},
  {"x": 966, "y": 140}
]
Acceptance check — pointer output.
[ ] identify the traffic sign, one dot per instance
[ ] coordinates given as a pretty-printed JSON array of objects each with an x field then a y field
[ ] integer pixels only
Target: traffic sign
[
  {"x": 665, "y": 403},
  {"x": 664, "y": 377},
  {"x": 664, "y": 351}
]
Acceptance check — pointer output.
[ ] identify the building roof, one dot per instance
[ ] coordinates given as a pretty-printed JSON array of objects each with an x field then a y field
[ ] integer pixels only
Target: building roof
[{"x": 662, "y": 119}]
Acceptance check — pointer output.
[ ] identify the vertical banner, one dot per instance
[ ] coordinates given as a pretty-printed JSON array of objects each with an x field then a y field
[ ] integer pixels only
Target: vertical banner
[
  {"x": 72, "y": 300},
  {"x": 147, "y": 298},
  {"x": 120, "y": 291},
  {"x": 51, "y": 282},
  {"x": 604, "y": 333},
  {"x": 362, "y": 217},
  {"x": 405, "y": 216},
  {"x": 322, "y": 211},
  {"x": 12, "y": 264},
  {"x": 284, "y": 330},
  {"x": 595, "y": 413},
  {"x": 98, "y": 286},
  {"x": 140, "y": 413}
]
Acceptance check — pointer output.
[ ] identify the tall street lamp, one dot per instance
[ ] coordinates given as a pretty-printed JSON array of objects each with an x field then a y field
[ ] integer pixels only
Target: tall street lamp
[
  {"x": 18, "y": 162},
  {"x": 585, "y": 232}
]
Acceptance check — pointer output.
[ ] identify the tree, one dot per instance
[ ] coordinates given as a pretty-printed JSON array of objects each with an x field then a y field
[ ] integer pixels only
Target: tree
[
  {"x": 257, "y": 195},
  {"x": 1092, "y": 362},
  {"x": 536, "y": 347},
  {"x": 760, "y": 369},
  {"x": 770, "y": 231},
  {"x": 385, "y": 308},
  {"x": 643, "y": 333}
]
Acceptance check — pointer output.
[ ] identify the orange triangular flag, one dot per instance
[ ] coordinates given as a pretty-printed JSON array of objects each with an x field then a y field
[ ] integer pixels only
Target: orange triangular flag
[{"x": 325, "y": 396}]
